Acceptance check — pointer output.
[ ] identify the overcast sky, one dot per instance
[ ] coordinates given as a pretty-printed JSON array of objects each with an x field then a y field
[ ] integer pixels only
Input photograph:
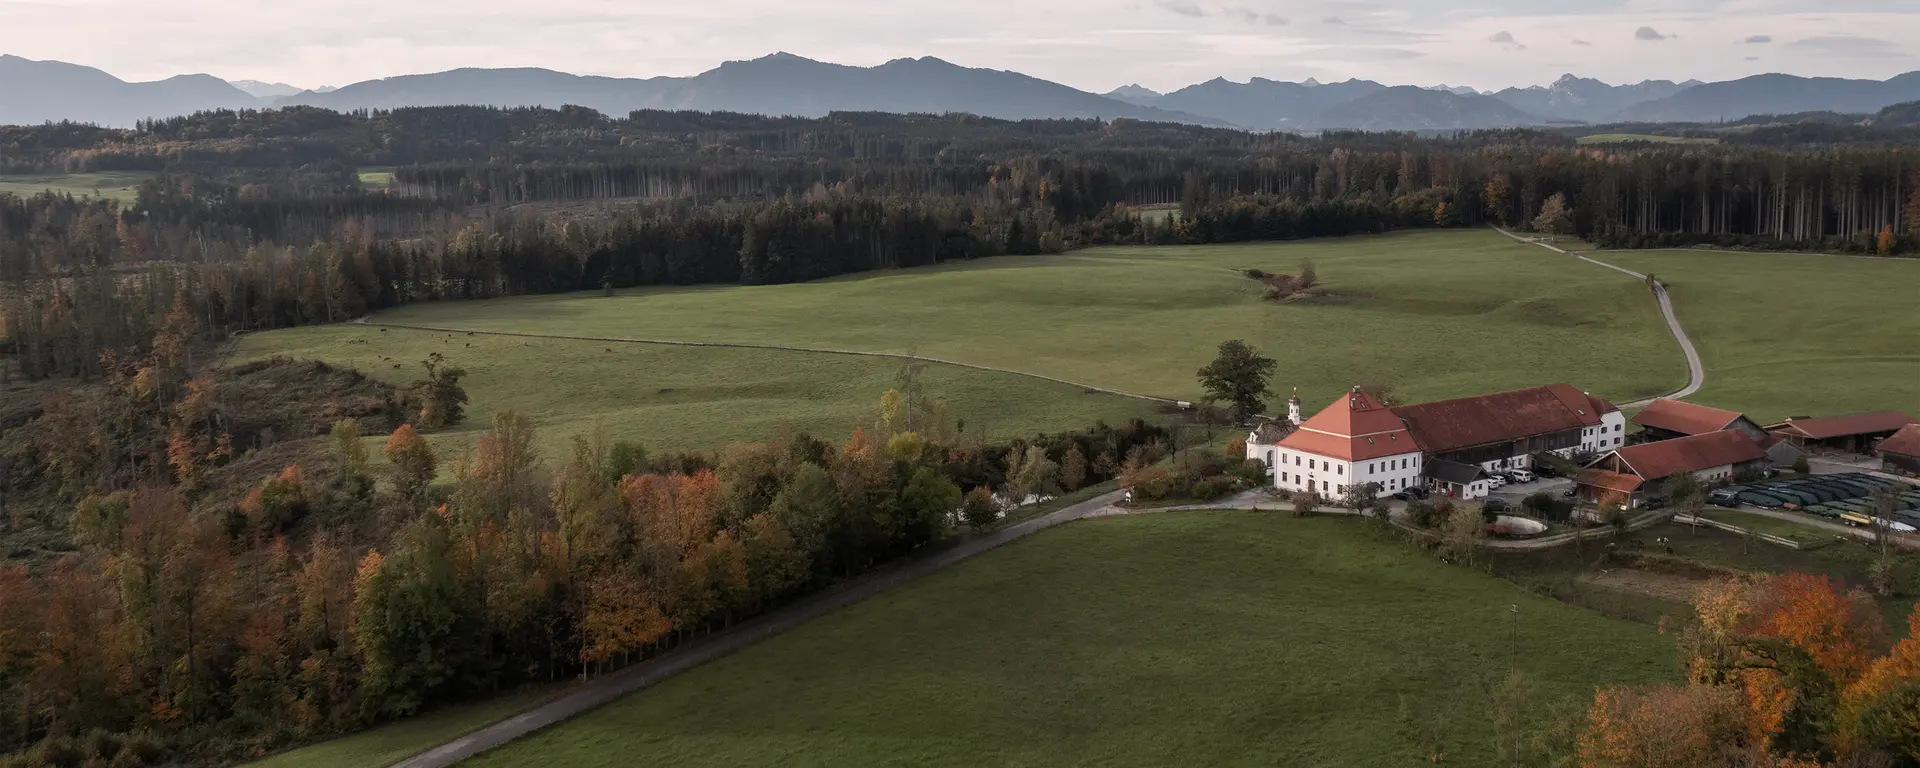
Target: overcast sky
[{"x": 1090, "y": 44}]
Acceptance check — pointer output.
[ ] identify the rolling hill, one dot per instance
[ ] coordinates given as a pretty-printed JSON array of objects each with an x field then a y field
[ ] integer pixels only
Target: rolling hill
[
  {"x": 1407, "y": 108},
  {"x": 1775, "y": 94},
  {"x": 1585, "y": 99},
  {"x": 33, "y": 92}
]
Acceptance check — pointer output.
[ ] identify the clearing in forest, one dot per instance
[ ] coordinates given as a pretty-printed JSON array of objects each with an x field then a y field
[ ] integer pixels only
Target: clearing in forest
[
  {"x": 1432, "y": 313},
  {"x": 1183, "y": 638},
  {"x": 118, "y": 185}
]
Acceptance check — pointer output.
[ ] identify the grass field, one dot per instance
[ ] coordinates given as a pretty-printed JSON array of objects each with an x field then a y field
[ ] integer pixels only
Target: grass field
[
  {"x": 1435, "y": 314},
  {"x": 380, "y": 177},
  {"x": 682, "y": 398},
  {"x": 119, "y": 185},
  {"x": 1622, "y": 138},
  {"x": 1802, "y": 534},
  {"x": 1174, "y": 639},
  {"x": 1796, "y": 334},
  {"x": 392, "y": 743}
]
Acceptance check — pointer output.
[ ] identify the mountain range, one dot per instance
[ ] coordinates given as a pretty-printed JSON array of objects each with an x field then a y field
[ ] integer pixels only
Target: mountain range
[{"x": 33, "y": 92}]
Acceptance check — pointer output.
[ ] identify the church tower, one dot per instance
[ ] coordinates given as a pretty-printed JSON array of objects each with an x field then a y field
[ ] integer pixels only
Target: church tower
[{"x": 1293, "y": 407}]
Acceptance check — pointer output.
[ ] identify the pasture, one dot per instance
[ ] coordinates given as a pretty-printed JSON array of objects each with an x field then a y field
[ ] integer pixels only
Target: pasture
[
  {"x": 123, "y": 186},
  {"x": 1185, "y": 638},
  {"x": 1431, "y": 313},
  {"x": 1628, "y": 138},
  {"x": 1795, "y": 334},
  {"x": 683, "y": 398},
  {"x": 376, "y": 177}
]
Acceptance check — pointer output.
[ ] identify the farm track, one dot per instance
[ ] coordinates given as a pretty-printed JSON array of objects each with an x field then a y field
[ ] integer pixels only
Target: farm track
[{"x": 1696, "y": 371}]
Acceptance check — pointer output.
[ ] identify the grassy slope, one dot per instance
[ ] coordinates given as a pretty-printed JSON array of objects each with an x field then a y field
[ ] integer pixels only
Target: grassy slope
[
  {"x": 122, "y": 186},
  {"x": 679, "y": 398},
  {"x": 1619, "y": 138},
  {"x": 389, "y": 744},
  {"x": 1437, "y": 314},
  {"x": 1192, "y": 639},
  {"x": 1796, "y": 334}
]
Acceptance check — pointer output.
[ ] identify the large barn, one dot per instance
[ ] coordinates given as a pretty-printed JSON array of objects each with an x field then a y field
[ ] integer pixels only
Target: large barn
[{"x": 1359, "y": 439}]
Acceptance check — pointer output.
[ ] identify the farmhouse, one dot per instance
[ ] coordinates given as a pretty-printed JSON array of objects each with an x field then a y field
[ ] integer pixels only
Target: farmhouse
[
  {"x": 1264, "y": 440},
  {"x": 1853, "y": 433},
  {"x": 1447, "y": 445},
  {"x": 1636, "y": 474},
  {"x": 1901, "y": 453},
  {"x": 1670, "y": 419}
]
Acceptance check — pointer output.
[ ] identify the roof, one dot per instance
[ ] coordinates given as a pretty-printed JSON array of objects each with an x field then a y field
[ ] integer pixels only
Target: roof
[
  {"x": 1270, "y": 432},
  {"x": 1905, "y": 442},
  {"x": 1612, "y": 481},
  {"x": 1843, "y": 426},
  {"x": 1651, "y": 461},
  {"x": 1450, "y": 425},
  {"x": 1354, "y": 428},
  {"x": 1453, "y": 472},
  {"x": 1684, "y": 418}
]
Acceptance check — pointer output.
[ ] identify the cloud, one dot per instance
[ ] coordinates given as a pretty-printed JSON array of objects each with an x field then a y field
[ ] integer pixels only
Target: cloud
[
  {"x": 1580, "y": 42},
  {"x": 1334, "y": 20},
  {"x": 1849, "y": 46},
  {"x": 1503, "y": 37},
  {"x": 1759, "y": 39},
  {"x": 1183, "y": 7},
  {"x": 1648, "y": 33},
  {"x": 1753, "y": 58},
  {"x": 1275, "y": 20}
]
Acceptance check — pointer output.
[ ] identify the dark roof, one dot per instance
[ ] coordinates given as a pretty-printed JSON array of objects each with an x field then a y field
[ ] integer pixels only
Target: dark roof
[
  {"x": 1684, "y": 418},
  {"x": 1453, "y": 471},
  {"x": 1652, "y": 461},
  {"x": 1271, "y": 432},
  {"x": 1611, "y": 481},
  {"x": 1466, "y": 422},
  {"x": 1843, "y": 426},
  {"x": 1905, "y": 442}
]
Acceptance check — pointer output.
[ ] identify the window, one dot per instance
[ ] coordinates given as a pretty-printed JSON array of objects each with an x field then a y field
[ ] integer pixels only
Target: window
[
  {"x": 1283, "y": 477},
  {"x": 1619, "y": 427},
  {"x": 1323, "y": 485},
  {"x": 1342, "y": 470}
]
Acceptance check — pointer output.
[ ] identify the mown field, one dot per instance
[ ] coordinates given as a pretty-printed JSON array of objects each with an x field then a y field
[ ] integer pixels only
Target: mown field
[
  {"x": 1434, "y": 314},
  {"x": 684, "y": 398},
  {"x": 1188, "y": 639},
  {"x": 1796, "y": 334},
  {"x": 119, "y": 185}
]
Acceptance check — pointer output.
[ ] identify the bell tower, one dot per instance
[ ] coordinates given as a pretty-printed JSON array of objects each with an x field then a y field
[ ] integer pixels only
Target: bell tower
[{"x": 1293, "y": 408}]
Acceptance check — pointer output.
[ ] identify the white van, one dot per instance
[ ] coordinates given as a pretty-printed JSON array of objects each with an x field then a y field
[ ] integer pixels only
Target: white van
[{"x": 1521, "y": 475}]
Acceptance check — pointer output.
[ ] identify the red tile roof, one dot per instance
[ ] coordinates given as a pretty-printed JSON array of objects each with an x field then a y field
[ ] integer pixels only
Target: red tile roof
[
  {"x": 1905, "y": 442},
  {"x": 1355, "y": 428},
  {"x": 1611, "y": 481},
  {"x": 1451, "y": 425},
  {"x": 1685, "y": 418},
  {"x": 1843, "y": 426},
  {"x": 1652, "y": 461}
]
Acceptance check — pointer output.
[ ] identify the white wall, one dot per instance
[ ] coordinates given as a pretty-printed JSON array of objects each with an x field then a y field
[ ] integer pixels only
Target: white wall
[
  {"x": 1611, "y": 434},
  {"x": 1302, "y": 471}
]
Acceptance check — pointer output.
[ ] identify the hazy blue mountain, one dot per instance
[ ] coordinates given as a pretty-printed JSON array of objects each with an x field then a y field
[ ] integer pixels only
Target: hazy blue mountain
[
  {"x": 781, "y": 84},
  {"x": 33, "y": 92},
  {"x": 1410, "y": 108},
  {"x": 1775, "y": 94},
  {"x": 1134, "y": 94},
  {"x": 1263, "y": 104},
  {"x": 1585, "y": 99},
  {"x": 266, "y": 91}
]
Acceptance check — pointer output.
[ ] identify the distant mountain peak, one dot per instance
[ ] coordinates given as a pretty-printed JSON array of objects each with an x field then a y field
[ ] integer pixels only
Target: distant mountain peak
[
  {"x": 1310, "y": 83},
  {"x": 1133, "y": 91}
]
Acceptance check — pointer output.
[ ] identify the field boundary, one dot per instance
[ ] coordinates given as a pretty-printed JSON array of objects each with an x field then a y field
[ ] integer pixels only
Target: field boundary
[
  {"x": 368, "y": 320},
  {"x": 594, "y": 694},
  {"x": 1696, "y": 370}
]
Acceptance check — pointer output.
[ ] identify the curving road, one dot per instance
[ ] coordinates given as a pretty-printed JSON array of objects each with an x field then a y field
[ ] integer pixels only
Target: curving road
[{"x": 1696, "y": 371}]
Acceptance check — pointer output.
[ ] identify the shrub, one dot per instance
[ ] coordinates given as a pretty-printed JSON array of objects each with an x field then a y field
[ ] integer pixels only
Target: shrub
[
  {"x": 980, "y": 508},
  {"x": 1253, "y": 471},
  {"x": 1152, "y": 484},
  {"x": 98, "y": 519},
  {"x": 1213, "y": 488},
  {"x": 1801, "y": 466},
  {"x": 1421, "y": 513},
  {"x": 57, "y": 752},
  {"x": 1256, "y": 273}
]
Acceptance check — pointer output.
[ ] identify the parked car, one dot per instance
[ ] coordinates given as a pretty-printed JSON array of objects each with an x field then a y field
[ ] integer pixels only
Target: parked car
[
  {"x": 1496, "y": 481},
  {"x": 1497, "y": 505},
  {"x": 1544, "y": 469},
  {"x": 1411, "y": 494},
  {"x": 1725, "y": 497},
  {"x": 1521, "y": 475}
]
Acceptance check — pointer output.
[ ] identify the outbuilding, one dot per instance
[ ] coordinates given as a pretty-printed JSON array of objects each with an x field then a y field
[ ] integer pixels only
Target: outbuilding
[
  {"x": 1455, "y": 480},
  {"x": 1852, "y": 433},
  {"x": 1901, "y": 452},
  {"x": 1637, "y": 474}
]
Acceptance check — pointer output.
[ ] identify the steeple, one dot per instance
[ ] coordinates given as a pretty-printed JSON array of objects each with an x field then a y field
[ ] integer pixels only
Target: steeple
[{"x": 1293, "y": 408}]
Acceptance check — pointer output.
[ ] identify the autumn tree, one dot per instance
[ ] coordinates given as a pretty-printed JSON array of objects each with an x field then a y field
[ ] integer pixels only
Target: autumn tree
[
  {"x": 1885, "y": 243},
  {"x": 1073, "y": 469},
  {"x": 981, "y": 509},
  {"x": 1031, "y": 473},
  {"x": 413, "y": 462},
  {"x": 1461, "y": 532},
  {"x": 348, "y": 448},
  {"x": 416, "y": 625},
  {"x": 1497, "y": 198},
  {"x": 442, "y": 400},
  {"x": 1690, "y": 726},
  {"x": 1555, "y": 217},
  {"x": 1239, "y": 377}
]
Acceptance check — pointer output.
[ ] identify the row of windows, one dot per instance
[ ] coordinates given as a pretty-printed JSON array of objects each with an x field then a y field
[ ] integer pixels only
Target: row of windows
[{"x": 1374, "y": 468}]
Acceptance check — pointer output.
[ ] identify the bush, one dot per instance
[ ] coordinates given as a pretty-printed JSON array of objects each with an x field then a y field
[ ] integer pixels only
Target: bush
[
  {"x": 1252, "y": 471},
  {"x": 1256, "y": 273},
  {"x": 1213, "y": 488},
  {"x": 1152, "y": 484},
  {"x": 57, "y": 752},
  {"x": 980, "y": 508},
  {"x": 1421, "y": 513},
  {"x": 1801, "y": 466}
]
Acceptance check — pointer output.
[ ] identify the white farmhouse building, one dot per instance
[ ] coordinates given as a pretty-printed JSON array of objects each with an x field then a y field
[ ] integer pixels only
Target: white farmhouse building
[{"x": 1444, "y": 446}]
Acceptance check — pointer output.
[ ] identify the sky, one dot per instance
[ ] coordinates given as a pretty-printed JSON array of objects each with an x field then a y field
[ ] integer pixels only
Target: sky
[{"x": 1094, "y": 45}]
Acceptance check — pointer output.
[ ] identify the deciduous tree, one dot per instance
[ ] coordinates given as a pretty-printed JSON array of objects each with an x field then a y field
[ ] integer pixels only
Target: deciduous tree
[{"x": 1239, "y": 377}]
